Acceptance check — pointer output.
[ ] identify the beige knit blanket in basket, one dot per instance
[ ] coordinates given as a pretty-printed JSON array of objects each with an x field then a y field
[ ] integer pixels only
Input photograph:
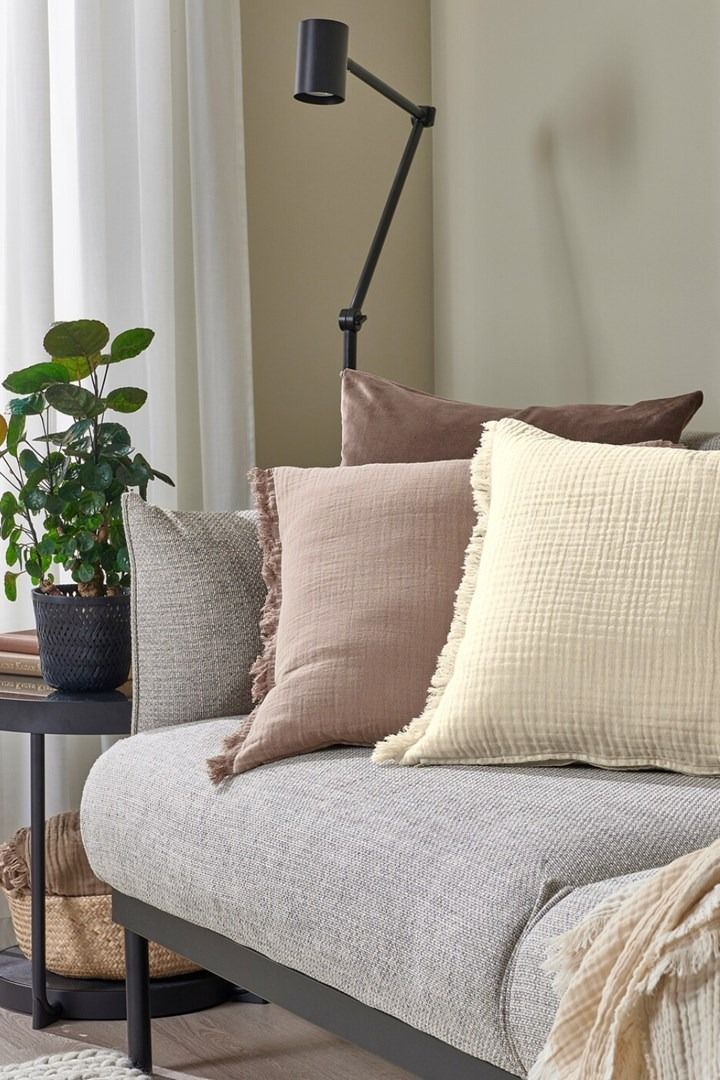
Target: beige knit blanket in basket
[
  {"x": 67, "y": 870},
  {"x": 639, "y": 982}
]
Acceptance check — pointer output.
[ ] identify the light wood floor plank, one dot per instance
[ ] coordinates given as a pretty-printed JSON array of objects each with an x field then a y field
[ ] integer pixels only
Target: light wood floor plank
[{"x": 232, "y": 1042}]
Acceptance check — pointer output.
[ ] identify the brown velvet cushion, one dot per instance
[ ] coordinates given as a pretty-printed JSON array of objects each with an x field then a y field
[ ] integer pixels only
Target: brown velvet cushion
[
  {"x": 383, "y": 421},
  {"x": 371, "y": 559}
]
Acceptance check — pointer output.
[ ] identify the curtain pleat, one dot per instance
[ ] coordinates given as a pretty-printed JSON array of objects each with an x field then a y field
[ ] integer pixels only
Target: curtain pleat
[{"x": 122, "y": 197}]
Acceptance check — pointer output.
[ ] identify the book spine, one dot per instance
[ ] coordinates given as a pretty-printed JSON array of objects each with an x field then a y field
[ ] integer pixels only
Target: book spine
[
  {"x": 24, "y": 642},
  {"x": 19, "y": 685},
  {"x": 23, "y": 686},
  {"x": 20, "y": 664}
]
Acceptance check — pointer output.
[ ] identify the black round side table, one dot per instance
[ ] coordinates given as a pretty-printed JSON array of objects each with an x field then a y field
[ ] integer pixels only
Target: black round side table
[{"x": 26, "y": 986}]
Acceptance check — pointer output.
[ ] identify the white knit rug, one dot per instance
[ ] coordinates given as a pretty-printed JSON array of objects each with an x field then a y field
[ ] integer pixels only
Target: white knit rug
[{"x": 76, "y": 1065}]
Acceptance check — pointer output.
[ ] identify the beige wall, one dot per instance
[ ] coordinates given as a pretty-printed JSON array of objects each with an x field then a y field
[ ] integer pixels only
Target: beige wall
[
  {"x": 316, "y": 182},
  {"x": 577, "y": 199}
]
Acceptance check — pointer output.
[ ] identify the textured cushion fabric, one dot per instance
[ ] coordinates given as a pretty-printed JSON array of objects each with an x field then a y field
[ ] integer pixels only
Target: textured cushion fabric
[
  {"x": 701, "y": 440},
  {"x": 385, "y": 421},
  {"x": 407, "y": 889},
  {"x": 197, "y": 594},
  {"x": 587, "y": 625},
  {"x": 531, "y": 1000},
  {"x": 371, "y": 558}
]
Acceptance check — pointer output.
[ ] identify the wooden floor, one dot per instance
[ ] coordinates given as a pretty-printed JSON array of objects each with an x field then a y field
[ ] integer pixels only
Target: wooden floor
[{"x": 232, "y": 1042}]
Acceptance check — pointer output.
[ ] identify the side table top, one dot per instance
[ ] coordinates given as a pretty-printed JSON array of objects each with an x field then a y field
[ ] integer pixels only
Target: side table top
[{"x": 63, "y": 713}]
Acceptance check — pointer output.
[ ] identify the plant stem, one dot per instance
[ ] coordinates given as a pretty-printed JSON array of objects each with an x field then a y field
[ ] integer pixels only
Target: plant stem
[
  {"x": 98, "y": 394},
  {"x": 45, "y": 421},
  {"x": 28, "y": 517},
  {"x": 13, "y": 479}
]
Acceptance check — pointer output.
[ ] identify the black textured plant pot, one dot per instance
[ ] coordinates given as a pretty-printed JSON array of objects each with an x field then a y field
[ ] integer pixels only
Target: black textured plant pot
[{"x": 84, "y": 641}]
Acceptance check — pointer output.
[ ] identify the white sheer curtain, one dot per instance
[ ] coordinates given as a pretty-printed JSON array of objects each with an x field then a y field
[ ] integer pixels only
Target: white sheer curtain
[{"x": 122, "y": 197}]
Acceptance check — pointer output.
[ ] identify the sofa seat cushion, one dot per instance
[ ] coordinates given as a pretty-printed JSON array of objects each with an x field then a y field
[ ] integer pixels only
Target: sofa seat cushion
[{"x": 406, "y": 889}]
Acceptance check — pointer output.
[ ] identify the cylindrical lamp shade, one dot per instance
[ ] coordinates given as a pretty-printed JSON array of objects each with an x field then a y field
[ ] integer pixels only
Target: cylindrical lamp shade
[{"x": 322, "y": 57}]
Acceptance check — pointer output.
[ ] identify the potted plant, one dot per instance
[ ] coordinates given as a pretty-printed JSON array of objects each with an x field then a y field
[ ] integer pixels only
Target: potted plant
[{"x": 62, "y": 505}]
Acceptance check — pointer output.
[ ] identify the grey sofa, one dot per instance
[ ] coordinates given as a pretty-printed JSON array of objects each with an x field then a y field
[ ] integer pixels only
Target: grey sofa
[{"x": 408, "y": 910}]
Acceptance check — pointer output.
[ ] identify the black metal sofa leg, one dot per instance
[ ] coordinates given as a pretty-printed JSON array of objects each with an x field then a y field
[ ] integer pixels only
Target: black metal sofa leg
[{"x": 137, "y": 989}]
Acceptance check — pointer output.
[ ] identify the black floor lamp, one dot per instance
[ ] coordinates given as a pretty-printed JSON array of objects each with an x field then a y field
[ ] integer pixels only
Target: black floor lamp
[{"x": 322, "y": 63}]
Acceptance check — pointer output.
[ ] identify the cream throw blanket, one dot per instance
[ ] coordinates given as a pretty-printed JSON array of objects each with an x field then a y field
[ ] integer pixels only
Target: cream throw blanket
[{"x": 639, "y": 982}]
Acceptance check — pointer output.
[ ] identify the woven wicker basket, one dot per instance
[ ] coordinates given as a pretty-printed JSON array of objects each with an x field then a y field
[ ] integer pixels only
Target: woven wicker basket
[{"x": 82, "y": 941}]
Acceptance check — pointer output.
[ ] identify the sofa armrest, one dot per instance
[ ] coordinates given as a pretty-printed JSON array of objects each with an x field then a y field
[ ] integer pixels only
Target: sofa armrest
[
  {"x": 530, "y": 997},
  {"x": 197, "y": 594}
]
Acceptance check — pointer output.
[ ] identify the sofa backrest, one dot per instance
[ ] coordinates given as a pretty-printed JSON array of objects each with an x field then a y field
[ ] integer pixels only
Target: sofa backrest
[{"x": 701, "y": 440}]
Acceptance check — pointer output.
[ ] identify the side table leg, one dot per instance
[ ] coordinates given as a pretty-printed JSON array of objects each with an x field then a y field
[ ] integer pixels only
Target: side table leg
[
  {"x": 43, "y": 1013},
  {"x": 137, "y": 989}
]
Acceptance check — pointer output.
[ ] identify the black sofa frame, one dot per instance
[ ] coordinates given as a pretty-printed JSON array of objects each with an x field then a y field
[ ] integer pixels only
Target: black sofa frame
[{"x": 382, "y": 1034}]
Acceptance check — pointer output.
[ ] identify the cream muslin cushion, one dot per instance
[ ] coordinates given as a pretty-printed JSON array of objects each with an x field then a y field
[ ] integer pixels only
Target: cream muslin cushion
[{"x": 587, "y": 624}]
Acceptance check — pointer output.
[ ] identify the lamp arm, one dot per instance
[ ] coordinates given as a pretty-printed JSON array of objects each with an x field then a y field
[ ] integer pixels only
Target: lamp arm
[
  {"x": 420, "y": 112},
  {"x": 352, "y": 318}
]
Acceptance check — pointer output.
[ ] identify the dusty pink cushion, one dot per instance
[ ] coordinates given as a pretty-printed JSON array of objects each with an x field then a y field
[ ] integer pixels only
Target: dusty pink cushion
[
  {"x": 385, "y": 421},
  {"x": 371, "y": 558}
]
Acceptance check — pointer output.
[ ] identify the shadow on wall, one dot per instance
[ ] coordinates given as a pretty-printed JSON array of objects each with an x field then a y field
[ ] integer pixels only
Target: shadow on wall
[{"x": 595, "y": 139}]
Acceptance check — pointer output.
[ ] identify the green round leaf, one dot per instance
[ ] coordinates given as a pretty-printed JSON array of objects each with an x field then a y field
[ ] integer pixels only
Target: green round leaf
[
  {"x": 35, "y": 500},
  {"x": 130, "y": 343},
  {"x": 142, "y": 470},
  {"x": 79, "y": 367},
  {"x": 126, "y": 399},
  {"x": 99, "y": 477},
  {"x": 55, "y": 504},
  {"x": 72, "y": 437},
  {"x": 83, "y": 337},
  {"x": 36, "y": 377},
  {"x": 29, "y": 461},
  {"x": 67, "y": 547},
  {"x": 47, "y": 545},
  {"x": 33, "y": 566},
  {"x": 8, "y": 504},
  {"x": 11, "y": 585},
  {"x": 84, "y": 572},
  {"x": 12, "y": 555},
  {"x": 114, "y": 438},
  {"x": 15, "y": 434},
  {"x": 54, "y": 461},
  {"x": 85, "y": 541},
  {"x": 107, "y": 557},
  {"x": 91, "y": 502},
  {"x": 27, "y": 406},
  {"x": 125, "y": 475},
  {"x": 117, "y": 534},
  {"x": 122, "y": 561},
  {"x": 70, "y": 490},
  {"x": 74, "y": 400}
]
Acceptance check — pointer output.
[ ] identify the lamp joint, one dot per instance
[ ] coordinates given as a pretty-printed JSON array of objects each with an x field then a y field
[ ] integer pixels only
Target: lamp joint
[
  {"x": 428, "y": 117},
  {"x": 351, "y": 319}
]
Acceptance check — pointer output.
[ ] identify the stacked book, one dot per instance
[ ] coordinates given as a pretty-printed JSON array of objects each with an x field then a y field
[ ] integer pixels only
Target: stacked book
[{"x": 20, "y": 666}]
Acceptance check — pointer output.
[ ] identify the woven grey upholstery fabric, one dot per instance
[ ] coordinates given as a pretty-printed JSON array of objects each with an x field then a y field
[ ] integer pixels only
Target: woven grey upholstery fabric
[
  {"x": 407, "y": 889},
  {"x": 701, "y": 440},
  {"x": 530, "y": 1000},
  {"x": 197, "y": 594}
]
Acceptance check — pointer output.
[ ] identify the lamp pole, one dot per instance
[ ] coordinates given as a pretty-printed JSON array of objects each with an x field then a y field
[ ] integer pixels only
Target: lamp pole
[{"x": 322, "y": 62}]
